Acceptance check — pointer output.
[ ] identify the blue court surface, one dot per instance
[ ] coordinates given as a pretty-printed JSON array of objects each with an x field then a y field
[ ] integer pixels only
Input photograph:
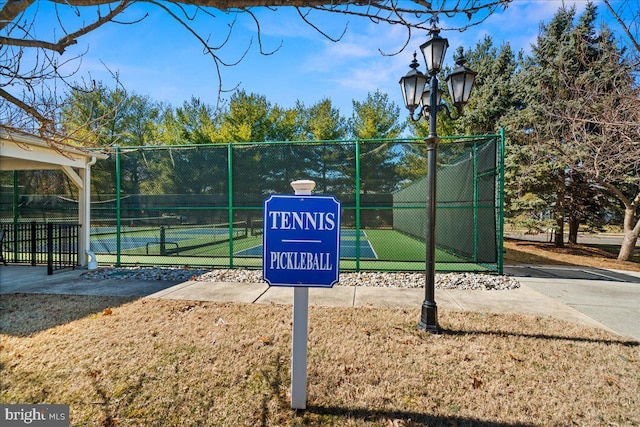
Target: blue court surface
[
  {"x": 198, "y": 232},
  {"x": 351, "y": 234},
  {"x": 109, "y": 244},
  {"x": 103, "y": 244},
  {"x": 347, "y": 247}
]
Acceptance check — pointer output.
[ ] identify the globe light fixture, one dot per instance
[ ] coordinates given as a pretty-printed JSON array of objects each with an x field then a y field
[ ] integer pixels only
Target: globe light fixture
[
  {"x": 412, "y": 85},
  {"x": 426, "y": 101},
  {"x": 434, "y": 50},
  {"x": 460, "y": 82}
]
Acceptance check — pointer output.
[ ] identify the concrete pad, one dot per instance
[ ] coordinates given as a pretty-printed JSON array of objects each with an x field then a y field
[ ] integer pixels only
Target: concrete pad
[
  {"x": 169, "y": 290},
  {"x": 523, "y": 300},
  {"x": 615, "y": 304},
  {"x": 338, "y": 296},
  {"x": 27, "y": 279},
  {"x": 400, "y": 298},
  {"x": 214, "y": 292},
  {"x": 588, "y": 292},
  {"x": 617, "y": 319},
  {"x": 387, "y": 297},
  {"x": 601, "y": 297},
  {"x": 110, "y": 287},
  {"x": 276, "y": 295},
  {"x": 33, "y": 279},
  {"x": 445, "y": 300}
]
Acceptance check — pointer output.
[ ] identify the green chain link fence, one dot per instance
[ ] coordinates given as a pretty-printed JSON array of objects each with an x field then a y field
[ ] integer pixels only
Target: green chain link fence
[{"x": 201, "y": 205}]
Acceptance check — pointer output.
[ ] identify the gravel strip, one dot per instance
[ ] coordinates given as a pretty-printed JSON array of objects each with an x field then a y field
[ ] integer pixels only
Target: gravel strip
[{"x": 465, "y": 281}]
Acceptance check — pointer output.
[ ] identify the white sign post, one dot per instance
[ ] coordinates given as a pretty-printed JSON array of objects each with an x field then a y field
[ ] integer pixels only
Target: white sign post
[
  {"x": 301, "y": 249},
  {"x": 299, "y": 348},
  {"x": 300, "y": 326}
]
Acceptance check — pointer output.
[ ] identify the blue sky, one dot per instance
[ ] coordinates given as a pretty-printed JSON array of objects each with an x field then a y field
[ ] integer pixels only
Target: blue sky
[{"x": 159, "y": 58}]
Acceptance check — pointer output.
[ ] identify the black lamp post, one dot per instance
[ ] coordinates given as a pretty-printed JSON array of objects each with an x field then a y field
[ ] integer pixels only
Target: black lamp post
[{"x": 416, "y": 92}]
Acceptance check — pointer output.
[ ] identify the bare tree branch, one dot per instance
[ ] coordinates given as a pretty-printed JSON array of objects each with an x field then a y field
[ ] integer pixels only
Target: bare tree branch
[
  {"x": 626, "y": 27},
  {"x": 304, "y": 17},
  {"x": 11, "y": 9},
  {"x": 257, "y": 22},
  {"x": 28, "y": 108}
]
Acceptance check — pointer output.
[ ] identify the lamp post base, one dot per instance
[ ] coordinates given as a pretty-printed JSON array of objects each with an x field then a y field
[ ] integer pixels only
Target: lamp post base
[{"x": 429, "y": 317}]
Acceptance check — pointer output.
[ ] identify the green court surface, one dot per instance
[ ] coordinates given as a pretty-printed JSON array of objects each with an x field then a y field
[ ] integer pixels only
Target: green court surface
[
  {"x": 380, "y": 249},
  {"x": 396, "y": 246}
]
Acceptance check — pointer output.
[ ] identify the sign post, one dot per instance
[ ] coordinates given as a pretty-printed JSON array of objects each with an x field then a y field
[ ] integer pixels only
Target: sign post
[
  {"x": 299, "y": 348},
  {"x": 301, "y": 249}
]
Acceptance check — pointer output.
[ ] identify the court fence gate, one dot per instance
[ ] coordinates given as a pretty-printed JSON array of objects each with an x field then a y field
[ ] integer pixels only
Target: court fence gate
[{"x": 201, "y": 205}]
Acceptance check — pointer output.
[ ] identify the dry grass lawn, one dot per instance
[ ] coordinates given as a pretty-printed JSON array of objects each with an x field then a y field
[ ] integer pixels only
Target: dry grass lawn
[{"x": 178, "y": 363}]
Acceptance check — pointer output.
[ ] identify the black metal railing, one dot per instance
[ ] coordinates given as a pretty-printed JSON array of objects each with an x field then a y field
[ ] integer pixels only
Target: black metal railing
[
  {"x": 62, "y": 246},
  {"x": 55, "y": 245}
]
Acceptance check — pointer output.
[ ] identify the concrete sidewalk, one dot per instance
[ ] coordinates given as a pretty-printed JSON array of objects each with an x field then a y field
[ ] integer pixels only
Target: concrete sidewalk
[
  {"x": 523, "y": 300},
  {"x": 595, "y": 297}
]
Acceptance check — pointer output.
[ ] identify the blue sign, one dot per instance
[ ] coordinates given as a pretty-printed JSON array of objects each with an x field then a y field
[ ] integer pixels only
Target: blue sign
[{"x": 301, "y": 241}]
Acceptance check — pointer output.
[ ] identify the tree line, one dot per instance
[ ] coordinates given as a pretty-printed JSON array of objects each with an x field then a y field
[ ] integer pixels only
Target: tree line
[
  {"x": 571, "y": 111},
  {"x": 103, "y": 117}
]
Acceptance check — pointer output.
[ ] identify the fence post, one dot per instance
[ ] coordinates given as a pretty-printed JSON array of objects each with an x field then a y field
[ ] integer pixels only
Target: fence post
[
  {"x": 34, "y": 247},
  {"x": 500, "y": 236},
  {"x": 75, "y": 237},
  {"x": 476, "y": 196},
  {"x": 357, "y": 205},
  {"x": 49, "y": 249},
  {"x": 230, "y": 200},
  {"x": 163, "y": 236},
  {"x": 118, "y": 213},
  {"x": 16, "y": 215}
]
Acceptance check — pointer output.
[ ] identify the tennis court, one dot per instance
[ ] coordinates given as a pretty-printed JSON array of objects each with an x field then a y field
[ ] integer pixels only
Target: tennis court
[
  {"x": 213, "y": 240},
  {"x": 166, "y": 240},
  {"x": 348, "y": 246},
  {"x": 180, "y": 213}
]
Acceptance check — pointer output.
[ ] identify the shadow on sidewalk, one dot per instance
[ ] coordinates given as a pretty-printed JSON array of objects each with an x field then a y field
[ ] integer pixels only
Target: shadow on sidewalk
[{"x": 562, "y": 272}]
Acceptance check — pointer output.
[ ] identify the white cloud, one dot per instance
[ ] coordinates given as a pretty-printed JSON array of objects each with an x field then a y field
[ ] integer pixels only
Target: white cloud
[{"x": 359, "y": 43}]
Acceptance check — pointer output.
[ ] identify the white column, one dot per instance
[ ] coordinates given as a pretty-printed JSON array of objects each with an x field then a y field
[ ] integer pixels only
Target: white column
[
  {"x": 300, "y": 326},
  {"x": 84, "y": 214},
  {"x": 83, "y": 207}
]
